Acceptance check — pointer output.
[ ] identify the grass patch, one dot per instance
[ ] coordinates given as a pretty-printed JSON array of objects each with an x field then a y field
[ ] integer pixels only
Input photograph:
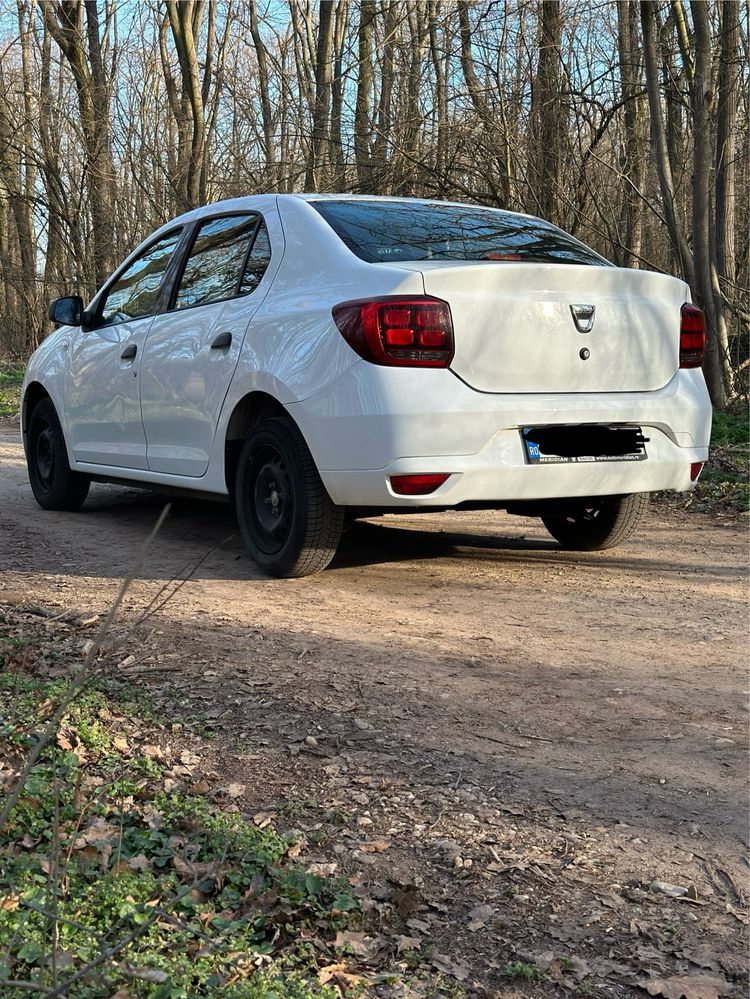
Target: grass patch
[
  {"x": 11, "y": 376},
  {"x": 521, "y": 971},
  {"x": 724, "y": 480},
  {"x": 116, "y": 873}
]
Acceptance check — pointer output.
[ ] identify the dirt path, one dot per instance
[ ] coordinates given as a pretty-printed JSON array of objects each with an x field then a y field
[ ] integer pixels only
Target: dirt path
[{"x": 460, "y": 650}]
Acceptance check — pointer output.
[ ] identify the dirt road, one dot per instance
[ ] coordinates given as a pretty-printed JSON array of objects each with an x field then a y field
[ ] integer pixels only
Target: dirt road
[{"x": 609, "y": 687}]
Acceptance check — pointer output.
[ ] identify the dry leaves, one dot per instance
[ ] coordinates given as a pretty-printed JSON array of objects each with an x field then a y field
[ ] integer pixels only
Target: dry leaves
[
  {"x": 441, "y": 962},
  {"x": 687, "y": 987},
  {"x": 480, "y": 916},
  {"x": 336, "y": 974},
  {"x": 364, "y": 946}
]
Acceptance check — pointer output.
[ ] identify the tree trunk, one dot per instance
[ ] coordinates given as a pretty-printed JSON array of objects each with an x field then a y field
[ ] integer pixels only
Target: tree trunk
[
  {"x": 362, "y": 122},
  {"x": 184, "y": 22},
  {"x": 441, "y": 97},
  {"x": 547, "y": 114},
  {"x": 65, "y": 24},
  {"x": 660, "y": 146},
  {"x": 337, "y": 96},
  {"x": 702, "y": 99},
  {"x": 319, "y": 151},
  {"x": 381, "y": 175},
  {"x": 264, "y": 88},
  {"x": 632, "y": 160},
  {"x": 726, "y": 168}
]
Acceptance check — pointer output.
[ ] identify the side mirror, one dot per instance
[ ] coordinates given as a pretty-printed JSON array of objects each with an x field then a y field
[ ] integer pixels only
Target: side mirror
[{"x": 67, "y": 311}]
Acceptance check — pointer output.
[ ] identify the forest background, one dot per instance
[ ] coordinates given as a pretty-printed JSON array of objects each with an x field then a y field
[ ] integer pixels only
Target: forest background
[{"x": 624, "y": 123}]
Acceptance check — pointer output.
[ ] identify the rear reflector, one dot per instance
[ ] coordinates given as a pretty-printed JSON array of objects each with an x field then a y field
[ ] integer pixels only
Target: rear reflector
[
  {"x": 414, "y": 332},
  {"x": 416, "y": 485},
  {"x": 695, "y": 470},
  {"x": 692, "y": 337}
]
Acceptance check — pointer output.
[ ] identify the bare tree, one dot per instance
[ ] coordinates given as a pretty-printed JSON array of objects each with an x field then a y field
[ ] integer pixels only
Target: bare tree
[
  {"x": 626, "y": 123},
  {"x": 82, "y": 47}
]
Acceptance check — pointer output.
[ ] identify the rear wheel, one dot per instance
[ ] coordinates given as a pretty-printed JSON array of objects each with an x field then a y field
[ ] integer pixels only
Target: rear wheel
[
  {"x": 288, "y": 522},
  {"x": 590, "y": 525},
  {"x": 54, "y": 484}
]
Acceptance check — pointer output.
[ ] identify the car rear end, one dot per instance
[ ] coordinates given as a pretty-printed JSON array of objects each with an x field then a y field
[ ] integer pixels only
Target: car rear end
[{"x": 529, "y": 369}]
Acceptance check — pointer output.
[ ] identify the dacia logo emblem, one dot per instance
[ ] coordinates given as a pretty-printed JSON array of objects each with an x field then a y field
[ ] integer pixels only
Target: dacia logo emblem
[{"x": 583, "y": 317}]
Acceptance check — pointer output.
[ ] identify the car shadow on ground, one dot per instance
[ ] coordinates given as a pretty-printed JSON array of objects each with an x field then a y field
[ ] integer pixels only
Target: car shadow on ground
[{"x": 196, "y": 527}]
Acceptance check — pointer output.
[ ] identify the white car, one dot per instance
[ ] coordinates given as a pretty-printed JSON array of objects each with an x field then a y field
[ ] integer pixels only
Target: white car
[{"x": 318, "y": 356}]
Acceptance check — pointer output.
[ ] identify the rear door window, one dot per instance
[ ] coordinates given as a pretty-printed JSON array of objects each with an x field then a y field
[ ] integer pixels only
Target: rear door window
[
  {"x": 218, "y": 262},
  {"x": 392, "y": 231}
]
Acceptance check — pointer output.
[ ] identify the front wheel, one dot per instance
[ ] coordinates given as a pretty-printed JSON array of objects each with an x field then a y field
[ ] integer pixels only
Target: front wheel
[
  {"x": 287, "y": 520},
  {"x": 54, "y": 484},
  {"x": 591, "y": 525}
]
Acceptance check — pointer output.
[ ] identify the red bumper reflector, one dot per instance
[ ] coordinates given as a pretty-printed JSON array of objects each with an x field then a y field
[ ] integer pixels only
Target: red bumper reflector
[
  {"x": 416, "y": 485},
  {"x": 695, "y": 470}
]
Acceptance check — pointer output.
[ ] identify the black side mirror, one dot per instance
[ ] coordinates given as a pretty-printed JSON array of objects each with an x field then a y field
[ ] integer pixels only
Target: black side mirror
[{"x": 67, "y": 311}]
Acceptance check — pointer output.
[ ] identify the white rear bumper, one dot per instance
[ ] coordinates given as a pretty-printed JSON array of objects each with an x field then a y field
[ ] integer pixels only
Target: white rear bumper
[
  {"x": 374, "y": 423},
  {"x": 485, "y": 477}
]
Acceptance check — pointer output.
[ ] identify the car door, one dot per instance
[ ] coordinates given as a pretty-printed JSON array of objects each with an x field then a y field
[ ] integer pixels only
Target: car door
[
  {"x": 193, "y": 348},
  {"x": 102, "y": 395}
]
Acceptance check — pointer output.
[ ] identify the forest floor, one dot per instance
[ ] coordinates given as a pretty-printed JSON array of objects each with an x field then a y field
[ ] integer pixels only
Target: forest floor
[{"x": 529, "y": 765}]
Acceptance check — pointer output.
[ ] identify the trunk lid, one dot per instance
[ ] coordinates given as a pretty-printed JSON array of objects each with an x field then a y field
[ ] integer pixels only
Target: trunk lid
[{"x": 515, "y": 332}]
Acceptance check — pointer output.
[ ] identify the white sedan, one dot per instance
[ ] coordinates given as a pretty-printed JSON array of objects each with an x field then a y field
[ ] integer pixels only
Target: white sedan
[{"x": 318, "y": 356}]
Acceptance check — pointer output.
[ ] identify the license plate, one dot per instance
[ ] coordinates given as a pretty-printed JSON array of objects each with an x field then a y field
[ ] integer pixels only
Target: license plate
[{"x": 534, "y": 455}]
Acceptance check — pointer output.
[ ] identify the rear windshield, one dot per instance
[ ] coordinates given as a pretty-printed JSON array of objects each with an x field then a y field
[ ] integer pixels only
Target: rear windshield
[{"x": 392, "y": 231}]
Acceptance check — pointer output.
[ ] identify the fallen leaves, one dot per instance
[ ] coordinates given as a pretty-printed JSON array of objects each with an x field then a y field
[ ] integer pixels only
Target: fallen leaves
[
  {"x": 364, "y": 946},
  {"x": 97, "y": 832},
  {"x": 448, "y": 966},
  {"x": 479, "y": 917},
  {"x": 687, "y": 986},
  {"x": 336, "y": 974}
]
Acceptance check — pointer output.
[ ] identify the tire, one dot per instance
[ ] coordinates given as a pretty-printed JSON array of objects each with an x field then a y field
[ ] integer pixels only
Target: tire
[
  {"x": 288, "y": 522},
  {"x": 591, "y": 525},
  {"x": 54, "y": 484}
]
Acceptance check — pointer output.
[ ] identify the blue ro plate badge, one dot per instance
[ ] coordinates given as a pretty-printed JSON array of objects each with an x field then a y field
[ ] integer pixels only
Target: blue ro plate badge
[{"x": 535, "y": 456}]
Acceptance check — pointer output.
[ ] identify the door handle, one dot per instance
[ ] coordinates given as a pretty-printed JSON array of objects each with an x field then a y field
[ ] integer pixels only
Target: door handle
[
  {"x": 222, "y": 340},
  {"x": 129, "y": 353}
]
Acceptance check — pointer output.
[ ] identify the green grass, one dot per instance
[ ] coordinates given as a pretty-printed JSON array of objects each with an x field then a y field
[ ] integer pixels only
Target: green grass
[
  {"x": 724, "y": 481},
  {"x": 521, "y": 971},
  {"x": 98, "y": 856},
  {"x": 11, "y": 377}
]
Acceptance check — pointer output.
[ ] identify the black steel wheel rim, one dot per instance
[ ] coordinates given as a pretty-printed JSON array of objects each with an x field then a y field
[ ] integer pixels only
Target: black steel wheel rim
[
  {"x": 586, "y": 514},
  {"x": 44, "y": 456},
  {"x": 271, "y": 499}
]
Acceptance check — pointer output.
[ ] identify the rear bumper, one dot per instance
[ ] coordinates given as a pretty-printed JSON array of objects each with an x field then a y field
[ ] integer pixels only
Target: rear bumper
[
  {"x": 373, "y": 423},
  {"x": 500, "y": 474}
]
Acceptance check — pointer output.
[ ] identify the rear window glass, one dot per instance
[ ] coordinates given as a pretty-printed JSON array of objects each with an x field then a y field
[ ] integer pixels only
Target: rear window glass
[{"x": 392, "y": 231}]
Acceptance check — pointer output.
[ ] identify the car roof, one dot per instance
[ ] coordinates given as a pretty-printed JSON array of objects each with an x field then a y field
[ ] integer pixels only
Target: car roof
[
  {"x": 260, "y": 201},
  {"x": 387, "y": 198}
]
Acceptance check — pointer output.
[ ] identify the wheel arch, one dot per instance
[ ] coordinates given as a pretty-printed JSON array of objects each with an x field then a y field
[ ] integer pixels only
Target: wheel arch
[
  {"x": 34, "y": 393},
  {"x": 249, "y": 411}
]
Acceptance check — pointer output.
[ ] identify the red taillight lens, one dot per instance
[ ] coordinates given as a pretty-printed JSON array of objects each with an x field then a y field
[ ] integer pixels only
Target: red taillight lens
[
  {"x": 696, "y": 468},
  {"x": 404, "y": 332},
  {"x": 416, "y": 485},
  {"x": 692, "y": 337}
]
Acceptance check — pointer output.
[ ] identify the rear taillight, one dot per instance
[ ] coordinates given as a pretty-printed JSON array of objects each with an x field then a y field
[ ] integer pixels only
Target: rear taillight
[
  {"x": 692, "y": 337},
  {"x": 417, "y": 485},
  {"x": 412, "y": 332},
  {"x": 696, "y": 467}
]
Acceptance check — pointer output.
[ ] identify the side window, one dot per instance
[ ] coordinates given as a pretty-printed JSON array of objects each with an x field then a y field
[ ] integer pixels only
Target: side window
[
  {"x": 133, "y": 294},
  {"x": 257, "y": 261},
  {"x": 214, "y": 267}
]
